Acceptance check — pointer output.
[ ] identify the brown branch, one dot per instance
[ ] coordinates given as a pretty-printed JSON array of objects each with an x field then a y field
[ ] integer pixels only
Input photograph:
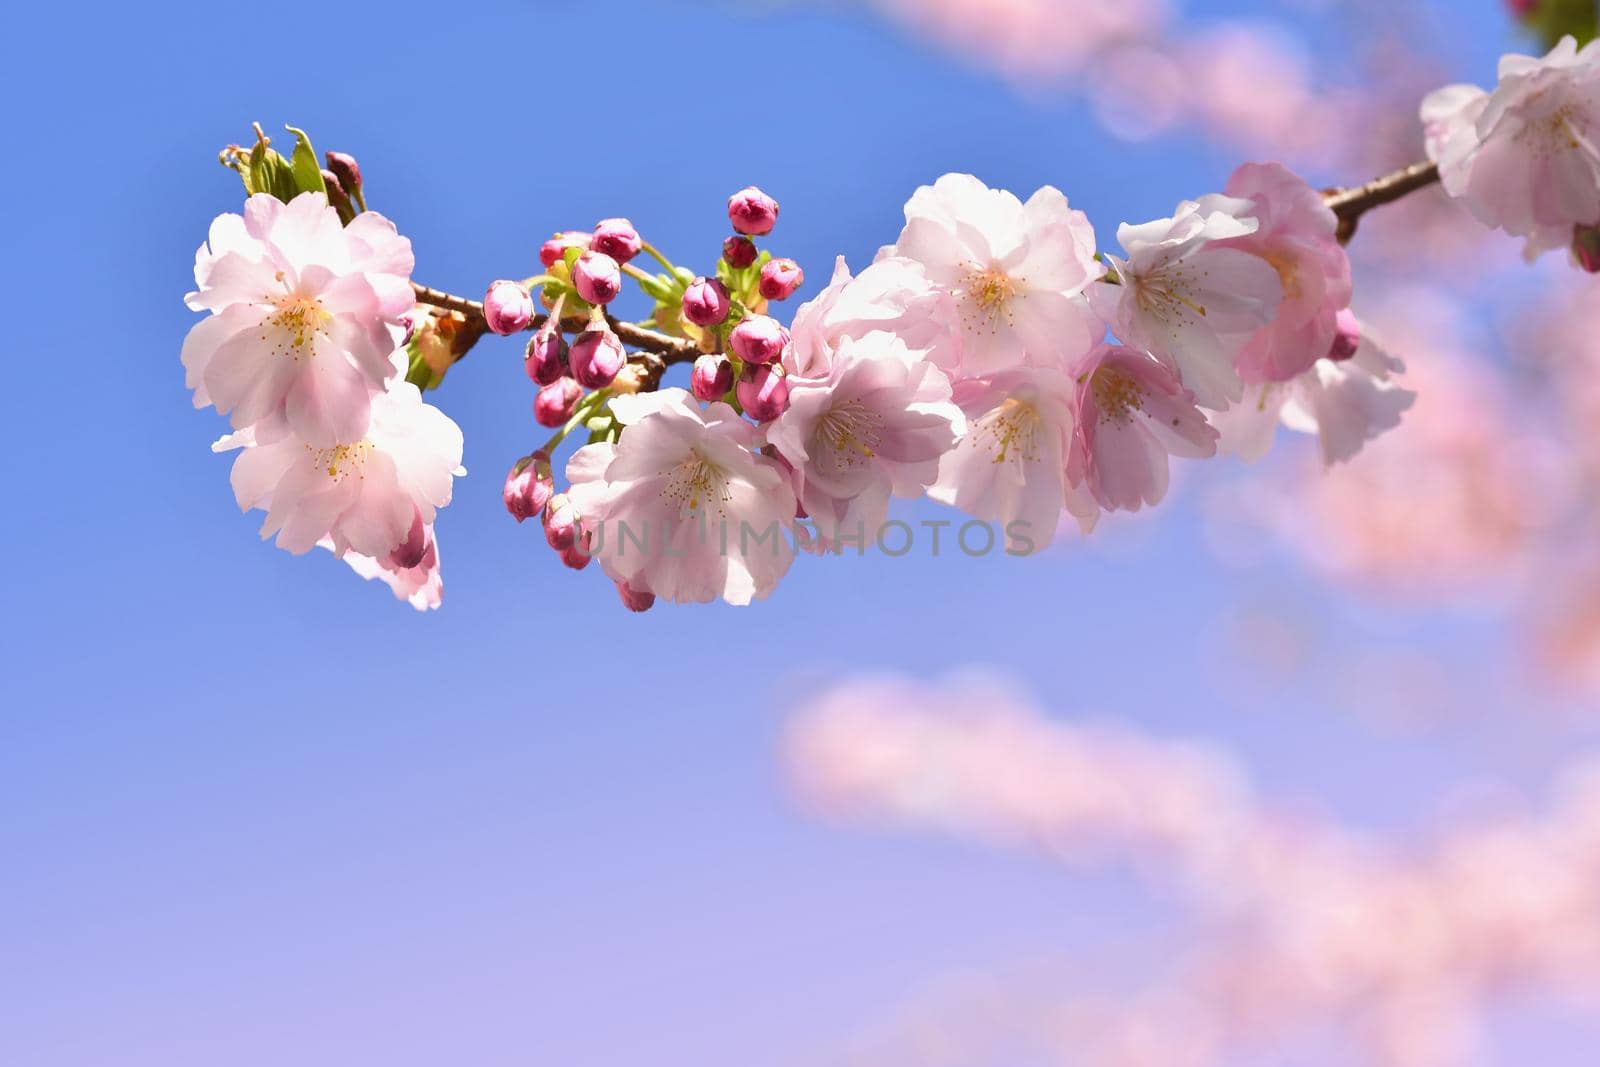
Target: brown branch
[
  {"x": 665, "y": 348},
  {"x": 1350, "y": 204}
]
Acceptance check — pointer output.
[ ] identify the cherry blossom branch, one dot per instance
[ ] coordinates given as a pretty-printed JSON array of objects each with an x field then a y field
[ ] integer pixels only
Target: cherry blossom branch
[
  {"x": 1350, "y": 204},
  {"x": 669, "y": 349}
]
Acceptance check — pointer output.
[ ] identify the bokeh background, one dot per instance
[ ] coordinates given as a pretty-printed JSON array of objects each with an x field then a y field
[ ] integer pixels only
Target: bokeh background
[{"x": 256, "y": 812}]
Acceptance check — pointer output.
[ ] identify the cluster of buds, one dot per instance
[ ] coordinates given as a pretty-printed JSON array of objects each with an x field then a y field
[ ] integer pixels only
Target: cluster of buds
[{"x": 721, "y": 314}]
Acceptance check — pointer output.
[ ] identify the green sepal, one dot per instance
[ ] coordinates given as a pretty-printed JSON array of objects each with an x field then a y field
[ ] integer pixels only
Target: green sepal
[
  {"x": 418, "y": 372},
  {"x": 303, "y": 162},
  {"x": 1554, "y": 19}
]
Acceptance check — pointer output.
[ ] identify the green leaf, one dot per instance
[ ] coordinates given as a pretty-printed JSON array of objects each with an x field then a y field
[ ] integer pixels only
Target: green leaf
[{"x": 307, "y": 171}]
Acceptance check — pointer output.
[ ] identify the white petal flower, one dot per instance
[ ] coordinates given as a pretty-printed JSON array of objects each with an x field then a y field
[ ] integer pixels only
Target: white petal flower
[
  {"x": 305, "y": 315},
  {"x": 1017, "y": 272},
  {"x": 681, "y": 506},
  {"x": 1188, "y": 301}
]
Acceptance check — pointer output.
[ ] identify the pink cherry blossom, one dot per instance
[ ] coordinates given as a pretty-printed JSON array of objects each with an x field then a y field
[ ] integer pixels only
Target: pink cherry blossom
[
  {"x": 305, "y": 315},
  {"x": 680, "y": 506},
  {"x": 1012, "y": 464},
  {"x": 1525, "y": 158},
  {"x": 1344, "y": 402},
  {"x": 1132, "y": 413},
  {"x": 876, "y": 426},
  {"x": 418, "y": 585},
  {"x": 1295, "y": 234},
  {"x": 1017, "y": 271},
  {"x": 366, "y": 495},
  {"x": 1188, "y": 297},
  {"x": 892, "y": 294}
]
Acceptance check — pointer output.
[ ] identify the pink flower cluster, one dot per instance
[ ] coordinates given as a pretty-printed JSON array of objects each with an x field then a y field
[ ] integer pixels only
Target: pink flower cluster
[
  {"x": 991, "y": 361},
  {"x": 1382, "y": 952},
  {"x": 300, "y": 350},
  {"x": 1525, "y": 158}
]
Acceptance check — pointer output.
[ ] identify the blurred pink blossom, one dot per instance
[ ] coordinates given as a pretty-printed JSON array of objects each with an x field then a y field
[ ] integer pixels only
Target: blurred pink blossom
[{"x": 1391, "y": 950}]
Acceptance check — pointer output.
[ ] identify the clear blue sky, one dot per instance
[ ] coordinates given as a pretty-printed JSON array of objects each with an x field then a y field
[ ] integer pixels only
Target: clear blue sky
[{"x": 255, "y": 812}]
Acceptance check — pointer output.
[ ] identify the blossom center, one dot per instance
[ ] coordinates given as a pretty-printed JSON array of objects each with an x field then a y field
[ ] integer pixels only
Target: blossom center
[
  {"x": 850, "y": 433},
  {"x": 1117, "y": 394},
  {"x": 989, "y": 294},
  {"x": 1011, "y": 430},
  {"x": 341, "y": 461},
  {"x": 301, "y": 318},
  {"x": 694, "y": 482},
  {"x": 1162, "y": 292}
]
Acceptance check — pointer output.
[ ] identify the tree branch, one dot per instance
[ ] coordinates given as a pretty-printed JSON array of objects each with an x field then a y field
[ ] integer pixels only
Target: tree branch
[
  {"x": 1350, "y": 204},
  {"x": 666, "y": 348}
]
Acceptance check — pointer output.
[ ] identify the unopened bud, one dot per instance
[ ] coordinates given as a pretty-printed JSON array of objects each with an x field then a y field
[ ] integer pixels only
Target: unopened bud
[
  {"x": 1346, "y": 337},
  {"x": 739, "y": 251},
  {"x": 555, "y": 403},
  {"x": 528, "y": 486},
  {"x": 616, "y": 238},
  {"x": 597, "y": 277},
  {"x": 413, "y": 321},
  {"x": 635, "y": 599},
  {"x": 758, "y": 339},
  {"x": 507, "y": 307},
  {"x": 545, "y": 359},
  {"x": 347, "y": 170},
  {"x": 705, "y": 302},
  {"x": 1586, "y": 247},
  {"x": 409, "y": 553},
  {"x": 560, "y": 523},
  {"x": 595, "y": 357},
  {"x": 338, "y": 199},
  {"x": 711, "y": 377},
  {"x": 555, "y": 249},
  {"x": 780, "y": 278},
  {"x": 763, "y": 392},
  {"x": 576, "y": 556},
  {"x": 752, "y": 212}
]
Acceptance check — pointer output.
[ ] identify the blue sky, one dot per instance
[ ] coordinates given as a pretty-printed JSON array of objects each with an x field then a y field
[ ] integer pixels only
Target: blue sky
[{"x": 254, "y": 811}]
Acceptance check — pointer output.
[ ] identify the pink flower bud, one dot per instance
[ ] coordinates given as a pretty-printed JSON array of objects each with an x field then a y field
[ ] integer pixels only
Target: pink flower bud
[
  {"x": 545, "y": 360},
  {"x": 739, "y": 251},
  {"x": 560, "y": 523},
  {"x": 763, "y": 392},
  {"x": 780, "y": 278},
  {"x": 338, "y": 199},
  {"x": 346, "y": 169},
  {"x": 1523, "y": 8},
  {"x": 1586, "y": 247},
  {"x": 555, "y": 249},
  {"x": 409, "y": 553},
  {"x": 705, "y": 302},
  {"x": 1347, "y": 337},
  {"x": 711, "y": 377},
  {"x": 575, "y": 557},
  {"x": 507, "y": 307},
  {"x": 528, "y": 486},
  {"x": 597, "y": 277},
  {"x": 635, "y": 599},
  {"x": 616, "y": 238},
  {"x": 758, "y": 339},
  {"x": 412, "y": 321},
  {"x": 752, "y": 212},
  {"x": 555, "y": 402},
  {"x": 595, "y": 357}
]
